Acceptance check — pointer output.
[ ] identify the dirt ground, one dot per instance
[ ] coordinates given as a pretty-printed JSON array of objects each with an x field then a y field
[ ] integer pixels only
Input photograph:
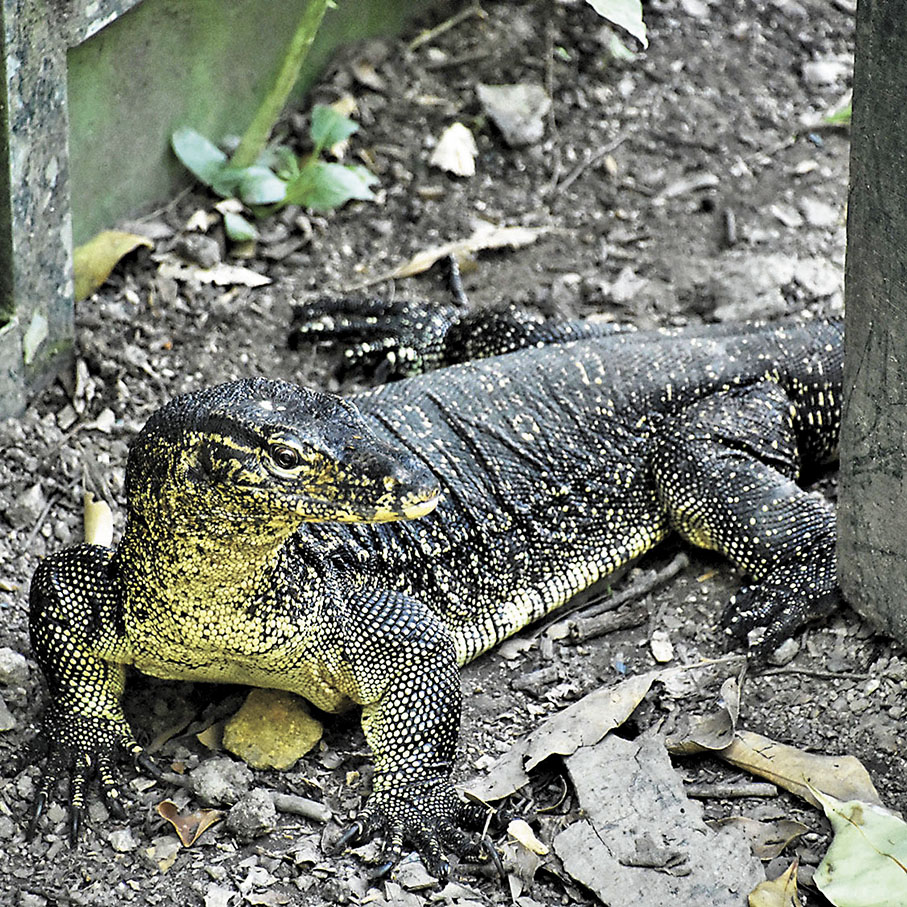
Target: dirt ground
[{"x": 690, "y": 184}]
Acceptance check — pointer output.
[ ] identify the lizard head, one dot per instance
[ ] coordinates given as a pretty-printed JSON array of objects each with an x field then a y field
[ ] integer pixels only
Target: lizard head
[{"x": 260, "y": 453}]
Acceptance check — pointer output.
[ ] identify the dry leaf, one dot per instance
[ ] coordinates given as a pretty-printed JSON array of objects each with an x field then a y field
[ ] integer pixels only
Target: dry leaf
[
  {"x": 583, "y": 723},
  {"x": 714, "y": 731},
  {"x": 201, "y": 221},
  {"x": 519, "y": 829},
  {"x": 456, "y": 151},
  {"x": 486, "y": 236},
  {"x": 93, "y": 261},
  {"x": 780, "y": 892},
  {"x": 97, "y": 521},
  {"x": 221, "y": 275},
  {"x": 767, "y": 839},
  {"x": 800, "y": 772},
  {"x": 189, "y": 827}
]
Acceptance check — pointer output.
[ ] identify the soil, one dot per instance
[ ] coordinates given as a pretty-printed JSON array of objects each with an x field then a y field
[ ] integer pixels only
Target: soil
[{"x": 719, "y": 198}]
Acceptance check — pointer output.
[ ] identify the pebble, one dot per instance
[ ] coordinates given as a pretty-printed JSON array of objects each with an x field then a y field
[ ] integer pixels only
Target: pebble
[
  {"x": 253, "y": 816},
  {"x": 13, "y": 667},
  {"x": 7, "y": 722},
  {"x": 818, "y": 213},
  {"x": 200, "y": 249},
  {"x": 824, "y": 72},
  {"x": 221, "y": 780},
  {"x": 122, "y": 840},
  {"x": 517, "y": 110},
  {"x": 27, "y": 508}
]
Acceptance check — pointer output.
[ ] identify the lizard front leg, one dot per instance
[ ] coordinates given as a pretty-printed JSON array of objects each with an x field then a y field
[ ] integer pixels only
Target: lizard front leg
[
  {"x": 404, "y": 663},
  {"x": 80, "y": 647}
]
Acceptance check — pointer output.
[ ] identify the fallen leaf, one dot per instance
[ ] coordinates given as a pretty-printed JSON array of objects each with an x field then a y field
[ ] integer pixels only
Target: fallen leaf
[
  {"x": 767, "y": 839},
  {"x": 93, "y": 261},
  {"x": 714, "y": 731},
  {"x": 625, "y": 13},
  {"x": 191, "y": 826},
  {"x": 780, "y": 892},
  {"x": 456, "y": 151},
  {"x": 798, "y": 771},
  {"x": 583, "y": 723},
  {"x": 485, "y": 236},
  {"x": 221, "y": 275},
  {"x": 97, "y": 520},
  {"x": 866, "y": 864},
  {"x": 520, "y": 829}
]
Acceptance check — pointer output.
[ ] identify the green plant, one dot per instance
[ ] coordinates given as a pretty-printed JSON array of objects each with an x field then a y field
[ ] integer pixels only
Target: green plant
[{"x": 277, "y": 177}]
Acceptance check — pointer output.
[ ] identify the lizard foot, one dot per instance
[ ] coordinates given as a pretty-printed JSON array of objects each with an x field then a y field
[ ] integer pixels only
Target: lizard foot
[
  {"x": 386, "y": 338},
  {"x": 779, "y": 605},
  {"x": 431, "y": 817},
  {"x": 84, "y": 749}
]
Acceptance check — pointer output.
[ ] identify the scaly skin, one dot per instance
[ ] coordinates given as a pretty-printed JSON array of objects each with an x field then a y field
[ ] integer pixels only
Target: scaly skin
[{"x": 278, "y": 538}]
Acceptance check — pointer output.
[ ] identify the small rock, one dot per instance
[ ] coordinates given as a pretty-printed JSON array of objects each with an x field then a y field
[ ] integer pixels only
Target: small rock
[
  {"x": 13, "y": 667},
  {"x": 824, "y": 72},
  {"x": 8, "y": 828},
  {"x": 218, "y": 896},
  {"x": 253, "y": 816},
  {"x": 163, "y": 851},
  {"x": 122, "y": 840},
  {"x": 695, "y": 8},
  {"x": 661, "y": 646},
  {"x": 272, "y": 730},
  {"x": 413, "y": 876},
  {"x": 200, "y": 249},
  {"x": 221, "y": 780},
  {"x": 785, "y": 653},
  {"x": 517, "y": 110},
  {"x": 30, "y": 899},
  {"x": 819, "y": 277},
  {"x": 27, "y": 509},
  {"x": 788, "y": 215},
  {"x": 7, "y": 722},
  {"x": 818, "y": 213}
]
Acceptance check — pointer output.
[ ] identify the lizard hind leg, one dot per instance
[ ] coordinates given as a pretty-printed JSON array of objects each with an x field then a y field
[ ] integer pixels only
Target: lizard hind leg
[{"x": 726, "y": 470}]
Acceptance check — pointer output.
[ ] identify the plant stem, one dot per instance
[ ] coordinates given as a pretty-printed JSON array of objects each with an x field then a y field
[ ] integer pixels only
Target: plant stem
[{"x": 256, "y": 136}]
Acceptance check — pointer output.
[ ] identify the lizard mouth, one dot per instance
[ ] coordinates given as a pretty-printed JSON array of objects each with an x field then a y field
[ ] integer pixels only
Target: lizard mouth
[{"x": 316, "y": 507}]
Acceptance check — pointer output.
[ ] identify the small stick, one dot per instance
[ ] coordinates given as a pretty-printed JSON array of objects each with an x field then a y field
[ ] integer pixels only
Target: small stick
[
  {"x": 819, "y": 675},
  {"x": 445, "y": 26},
  {"x": 728, "y": 791},
  {"x": 591, "y": 161}
]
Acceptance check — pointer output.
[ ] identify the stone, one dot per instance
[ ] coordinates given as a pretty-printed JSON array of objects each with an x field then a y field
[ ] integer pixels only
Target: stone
[
  {"x": 823, "y": 73},
  {"x": 7, "y": 722},
  {"x": 221, "y": 780},
  {"x": 253, "y": 816},
  {"x": 818, "y": 213},
  {"x": 517, "y": 110},
  {"x": 272, "y": 730},
  {"x": 122, "y": 840},
  {"x": 13, "y": 667}
]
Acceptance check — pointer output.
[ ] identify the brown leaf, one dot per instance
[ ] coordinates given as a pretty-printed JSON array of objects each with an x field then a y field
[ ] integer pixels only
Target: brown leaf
[
  {"x": 485, "y": 236},
  {"x": 94, "y": 260},
  {"x": 767, "y": 839},
  {"x": 780, "y": 892},
  {"x": 189, "y": 827},
  {"x": 795, "y": 770}
]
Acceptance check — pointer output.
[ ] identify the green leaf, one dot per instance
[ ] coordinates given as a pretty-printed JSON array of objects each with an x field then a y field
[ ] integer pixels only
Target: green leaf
[
  {"x": 202, "y": 158},
  {"x": 624, "y": 13},
  {"x": 238, "y": 228},
  {"x": 261, "y": 186},
  {"x": 226, "y": 183},
  {"x": 329, "y": 127},
  {"x": 839, "y": 117},
  {"x": 866, "y": 865},
  {"x": 325, "y": 186}
]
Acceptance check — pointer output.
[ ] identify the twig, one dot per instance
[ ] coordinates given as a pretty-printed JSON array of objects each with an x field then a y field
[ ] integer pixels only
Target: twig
[
  {"x": 728, "y": 791},
  {"x": 552, "y": 119},
  {"x": 819, "y": 675},
  {"x": 647, "y": 583},
  {"x": 445, "y": 26},
  {"x": 451, "y": 62},
  {"x": 591, "y": 161},
  {"x": 51, "y": 501}
]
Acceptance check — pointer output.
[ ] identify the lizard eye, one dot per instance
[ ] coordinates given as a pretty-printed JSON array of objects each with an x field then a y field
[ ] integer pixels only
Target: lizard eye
[{"x": 285, "y": 457}]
